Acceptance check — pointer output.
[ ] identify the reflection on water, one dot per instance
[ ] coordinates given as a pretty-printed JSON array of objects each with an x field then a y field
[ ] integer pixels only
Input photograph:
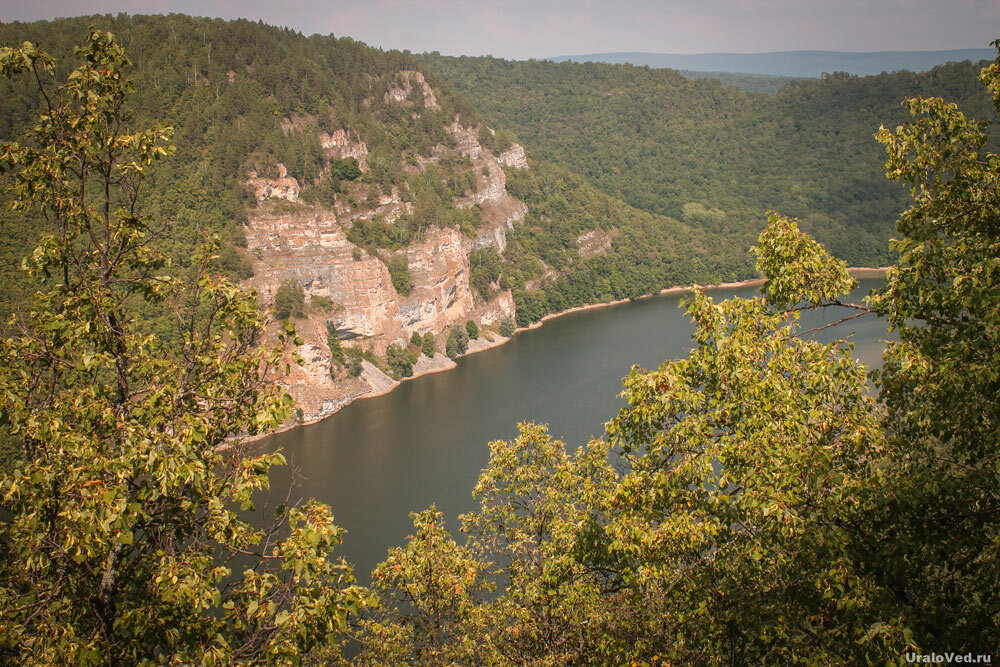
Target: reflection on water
[{"x": 425, "y": 442}]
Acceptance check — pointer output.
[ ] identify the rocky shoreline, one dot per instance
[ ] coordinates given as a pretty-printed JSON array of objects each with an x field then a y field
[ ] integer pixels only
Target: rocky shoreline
[{"x": 382, "y": 384}]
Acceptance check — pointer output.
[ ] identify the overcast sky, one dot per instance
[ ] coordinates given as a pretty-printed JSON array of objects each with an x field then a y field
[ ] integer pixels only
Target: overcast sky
[{"x": 539, "y": 28}]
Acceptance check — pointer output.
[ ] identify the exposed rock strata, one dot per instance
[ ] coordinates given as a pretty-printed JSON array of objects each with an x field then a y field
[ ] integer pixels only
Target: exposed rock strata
[
  {"x": 309, "y": 245},
  {"x": 283, "y": 187},
  {"x": 594, "y": 243},
  {"x": 412, "y": 79},
  {"x": 339, "y": 146}
]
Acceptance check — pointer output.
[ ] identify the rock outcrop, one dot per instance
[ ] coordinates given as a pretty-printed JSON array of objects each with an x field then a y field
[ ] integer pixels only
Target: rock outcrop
[
  {"x": 411, "y": 79},
  {"x": 283, "y": 187},
  {"x": 309, "y": 245},
  {"x": 339, "y": 146},
  {"x": 594, "y": 243},
  {"x": 514, "y": 157}
]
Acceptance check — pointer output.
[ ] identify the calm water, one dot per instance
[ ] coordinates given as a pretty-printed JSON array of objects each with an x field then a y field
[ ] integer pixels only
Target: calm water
[{"x": 425, "y": 442}]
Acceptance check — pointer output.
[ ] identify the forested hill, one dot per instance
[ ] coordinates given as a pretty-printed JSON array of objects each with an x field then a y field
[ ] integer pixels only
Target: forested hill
[
  {"x": 792, "y": 63},
  {"x": 242, "y": 97},
  {"x": 716, "y": 156}
]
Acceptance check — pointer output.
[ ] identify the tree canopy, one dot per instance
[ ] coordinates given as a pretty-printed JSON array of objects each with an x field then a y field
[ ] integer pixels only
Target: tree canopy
[{"x": 125, "y": 533}]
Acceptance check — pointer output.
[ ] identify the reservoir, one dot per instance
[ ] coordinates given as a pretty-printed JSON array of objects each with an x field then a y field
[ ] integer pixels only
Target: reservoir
[{"x": 379, "y": 459}]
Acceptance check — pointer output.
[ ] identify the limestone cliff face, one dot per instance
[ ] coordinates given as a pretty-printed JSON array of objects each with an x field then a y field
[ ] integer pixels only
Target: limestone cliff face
[
  {"x": 498, "y": 209},
  {"x": 408, "y": 81},
  {"x": 340, "y": 146},
  {"x": 441, "y": 294},
  {"x": 309, "y": 245},
  {"x": 284, "y": 187}
]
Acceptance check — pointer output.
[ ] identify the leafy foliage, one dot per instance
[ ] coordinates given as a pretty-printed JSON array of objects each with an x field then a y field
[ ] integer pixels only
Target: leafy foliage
[
  {"x": 400, "y": 361},
  {"x": 333, "y": 343},
  {"x": 755, "y": 502},
  {"x": 472, "y": 329},
  {"x": 289, "y": 300},
  {"x": 354, "y": 358},
  {"x": 123, "y": 536},
  {"x": 458, "y": 341},
  {"x": 399, "y": 270},
  {"x": 507, "y": 327},
  {"x": 427, "y": 345}
]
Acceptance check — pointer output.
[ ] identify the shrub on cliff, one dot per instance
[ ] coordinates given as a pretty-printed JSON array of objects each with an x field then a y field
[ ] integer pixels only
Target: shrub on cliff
[
  {"x": 399, "y": 270},
  {"x": 333, "y": 342},
  {"x": 289, "y": 300},
  {"x": 472, "y": 329},
  {"x": 427, "y": 346},
  {"x": 353, "y": 357}
]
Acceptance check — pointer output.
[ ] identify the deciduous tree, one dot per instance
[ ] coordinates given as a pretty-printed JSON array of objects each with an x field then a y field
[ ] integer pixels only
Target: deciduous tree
[{"x": 123, "y": 536}]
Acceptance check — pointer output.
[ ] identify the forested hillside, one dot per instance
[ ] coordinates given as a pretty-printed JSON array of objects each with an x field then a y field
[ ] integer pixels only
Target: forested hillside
[
  {"x": 717, "y": 157},
  {"x": 225, "y": 87}
]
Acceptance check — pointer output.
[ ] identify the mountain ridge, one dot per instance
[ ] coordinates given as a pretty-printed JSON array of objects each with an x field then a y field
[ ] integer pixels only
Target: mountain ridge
[{"x": 800, "y": 63}]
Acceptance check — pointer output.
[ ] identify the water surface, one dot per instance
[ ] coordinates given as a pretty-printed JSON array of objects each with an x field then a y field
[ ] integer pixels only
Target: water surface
[{"x": 425, "y": 442}]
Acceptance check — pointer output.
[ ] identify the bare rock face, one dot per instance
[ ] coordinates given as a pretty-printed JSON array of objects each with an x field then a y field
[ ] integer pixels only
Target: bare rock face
[
  {"x": 309, "y": 245},
  {"x": 313, "y": 250},
  {"x": 283, "y": 187},
  {"x": 514, "y": 157},
  {"x": 339, "y": 146},
  {"x": 466, "y": 140},
  {"x": 595, "y": 242},
  {"x": 491, "y": 313},
  {"x": 412, "y": 79},
  {"x": 498, "y": 209},
  {"x": 441, "y": 295}
]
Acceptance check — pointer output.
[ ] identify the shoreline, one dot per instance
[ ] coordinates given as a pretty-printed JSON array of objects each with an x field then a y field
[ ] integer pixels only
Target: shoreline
[{"x": 855, "y": 271}]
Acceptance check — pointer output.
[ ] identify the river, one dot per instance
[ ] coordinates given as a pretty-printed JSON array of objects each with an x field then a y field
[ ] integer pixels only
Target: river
[{"x": 425, "y": 442}]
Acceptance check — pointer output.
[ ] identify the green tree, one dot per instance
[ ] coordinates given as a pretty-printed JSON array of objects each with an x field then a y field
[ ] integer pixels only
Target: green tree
[
  {"x": 354, "y": 358},
  {"x": 416, "y": 340},
  {"x": 472, "y": 329},
  {"x": 289, "y": 300},
  {"x": 427, "y": 346},
  {"x": 121, "y": 523},
  {"x": 333, "y": 343},
  {"x": 400, "y": 361},
  {"x": 940, "y": 382},
  {"x": 507, "y": 327},
  {"x": 458, "y": 341},
  {"x": 428, "y": 595}
]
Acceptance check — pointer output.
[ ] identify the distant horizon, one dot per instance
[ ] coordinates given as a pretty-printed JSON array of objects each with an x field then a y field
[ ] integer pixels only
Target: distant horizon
[
  {"x": 811, "y": 63},
  {"x": 525, "y": 29},
  {"x": 759, "y": 53}
]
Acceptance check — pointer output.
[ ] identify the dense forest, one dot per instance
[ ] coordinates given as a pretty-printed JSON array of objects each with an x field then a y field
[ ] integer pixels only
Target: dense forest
[
  {"x": 765, "y": 500},
  {"x": 716, "y": 157}
]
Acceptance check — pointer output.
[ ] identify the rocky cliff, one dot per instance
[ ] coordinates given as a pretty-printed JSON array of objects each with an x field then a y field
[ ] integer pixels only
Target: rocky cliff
[{"x": 352, "y": 286}]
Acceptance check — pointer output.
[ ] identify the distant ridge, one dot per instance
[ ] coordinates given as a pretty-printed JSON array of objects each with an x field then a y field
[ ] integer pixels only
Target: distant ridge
[{"x": 792, "y": 63}]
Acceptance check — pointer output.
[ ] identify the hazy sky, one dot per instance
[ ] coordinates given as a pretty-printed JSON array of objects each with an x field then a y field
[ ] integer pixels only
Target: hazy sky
[{"x": 540, "y": 28}]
